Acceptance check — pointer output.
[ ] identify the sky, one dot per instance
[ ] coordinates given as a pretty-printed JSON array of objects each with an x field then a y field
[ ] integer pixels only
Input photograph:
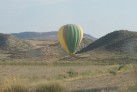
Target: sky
[{"x": 96, "y": 17}]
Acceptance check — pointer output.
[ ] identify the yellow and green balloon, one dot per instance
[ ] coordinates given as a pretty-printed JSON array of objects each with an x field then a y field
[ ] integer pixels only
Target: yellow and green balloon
[{"x": 70, "y": 36}]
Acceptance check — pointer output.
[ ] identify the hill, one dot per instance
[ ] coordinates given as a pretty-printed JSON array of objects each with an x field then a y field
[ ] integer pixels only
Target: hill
[
  {"x": 119, "y": 41},
  {"x": 43, "y": 35},
  {"x": 46, "y": 49},
  {"x": 36, "y": 35},
  {"x": 33, "y": 48},
  {"x": 11, "y": 43},
  {"x": 87, "y": 36}
]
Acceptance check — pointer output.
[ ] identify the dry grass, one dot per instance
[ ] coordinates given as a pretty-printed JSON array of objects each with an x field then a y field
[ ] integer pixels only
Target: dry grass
[
  {"x": 15, "y": 84},
  {"x": 53, "y": 86},
  {"x": 132, "y": 88},
  {"x": 60, "y": 78},
  {"x": 95, "y": 70}
]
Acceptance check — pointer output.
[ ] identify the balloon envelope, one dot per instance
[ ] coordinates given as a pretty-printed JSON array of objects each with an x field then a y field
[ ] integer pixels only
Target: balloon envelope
[{"x": 70, "y": 36}]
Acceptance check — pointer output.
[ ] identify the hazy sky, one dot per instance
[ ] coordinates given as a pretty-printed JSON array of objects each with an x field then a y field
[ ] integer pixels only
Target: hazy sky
[{"x": 97, "y": 17}]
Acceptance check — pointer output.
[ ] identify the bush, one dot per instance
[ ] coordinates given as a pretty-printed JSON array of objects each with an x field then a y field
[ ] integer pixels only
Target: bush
[
  {"x": 113, "y": 72},
  {"x": 72, "y": 73}
]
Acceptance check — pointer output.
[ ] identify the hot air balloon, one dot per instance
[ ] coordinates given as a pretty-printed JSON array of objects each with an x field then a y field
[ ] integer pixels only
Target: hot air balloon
[{"x": 70, "y": 36}]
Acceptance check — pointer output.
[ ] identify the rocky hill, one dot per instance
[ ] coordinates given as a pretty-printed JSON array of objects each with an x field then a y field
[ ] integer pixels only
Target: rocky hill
[
  {"x": 34, "y": 48},
  {"x": 47, "y": 50},
  {"x": 11, "y": 43},
  {"x": 120, "y": 41}
]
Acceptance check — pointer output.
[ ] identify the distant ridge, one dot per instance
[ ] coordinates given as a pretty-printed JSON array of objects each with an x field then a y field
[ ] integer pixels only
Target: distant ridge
[
  {"x": 119, "y": 41},
  {"x": 36, "y": 35},
  {"x": 44, "y": 35}
]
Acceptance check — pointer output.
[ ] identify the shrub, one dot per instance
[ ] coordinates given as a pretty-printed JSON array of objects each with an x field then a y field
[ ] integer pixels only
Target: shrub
[
  {"x": 113, "y": 72},
  {"x": 72, "y": 73}
]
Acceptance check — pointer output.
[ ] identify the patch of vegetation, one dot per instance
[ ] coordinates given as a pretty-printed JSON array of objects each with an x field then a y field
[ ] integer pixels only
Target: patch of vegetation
[
  {"x": 18, "y": 85},
  {"x": 50, "y": 87},
  {"x": 123, "y": 68},
  {"x": 132, "y": 88},
  {"x": 16, "y": 88},
  {"x": 68, "y": 74},
  {"x": 96, "y": 72},
  {"x": 72, "y": 73},
  {"x": 114, "y": 70},
  {"x": 129, "y": 67},
  {"x": 23, "y": 62},
  {"x": 14, "y": 85}
]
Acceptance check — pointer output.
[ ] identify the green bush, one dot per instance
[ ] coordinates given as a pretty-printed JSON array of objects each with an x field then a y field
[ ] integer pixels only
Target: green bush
[{"x": 113, "y": 72}]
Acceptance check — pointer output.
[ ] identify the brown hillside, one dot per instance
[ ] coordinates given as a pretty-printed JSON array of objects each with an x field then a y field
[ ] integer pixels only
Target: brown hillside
[
  {"x": 47, "y": 49},
  {"x": 119, "y": 41},
  {"x": 11, "y": 43},
  {"x": 127, "y": 45}
]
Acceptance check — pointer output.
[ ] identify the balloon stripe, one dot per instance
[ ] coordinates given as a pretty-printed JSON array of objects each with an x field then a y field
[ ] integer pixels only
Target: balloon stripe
[
  {"x": 69, "y": 38},
  {"x": 72, "y": 41},
  {"x": 61, "y": 39},
  {"x": 81, "y": 32},
  {"x": 76, "y": 38},
  {"x": 65, "y": 45},
  {"x": 65, "y": 37}
]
